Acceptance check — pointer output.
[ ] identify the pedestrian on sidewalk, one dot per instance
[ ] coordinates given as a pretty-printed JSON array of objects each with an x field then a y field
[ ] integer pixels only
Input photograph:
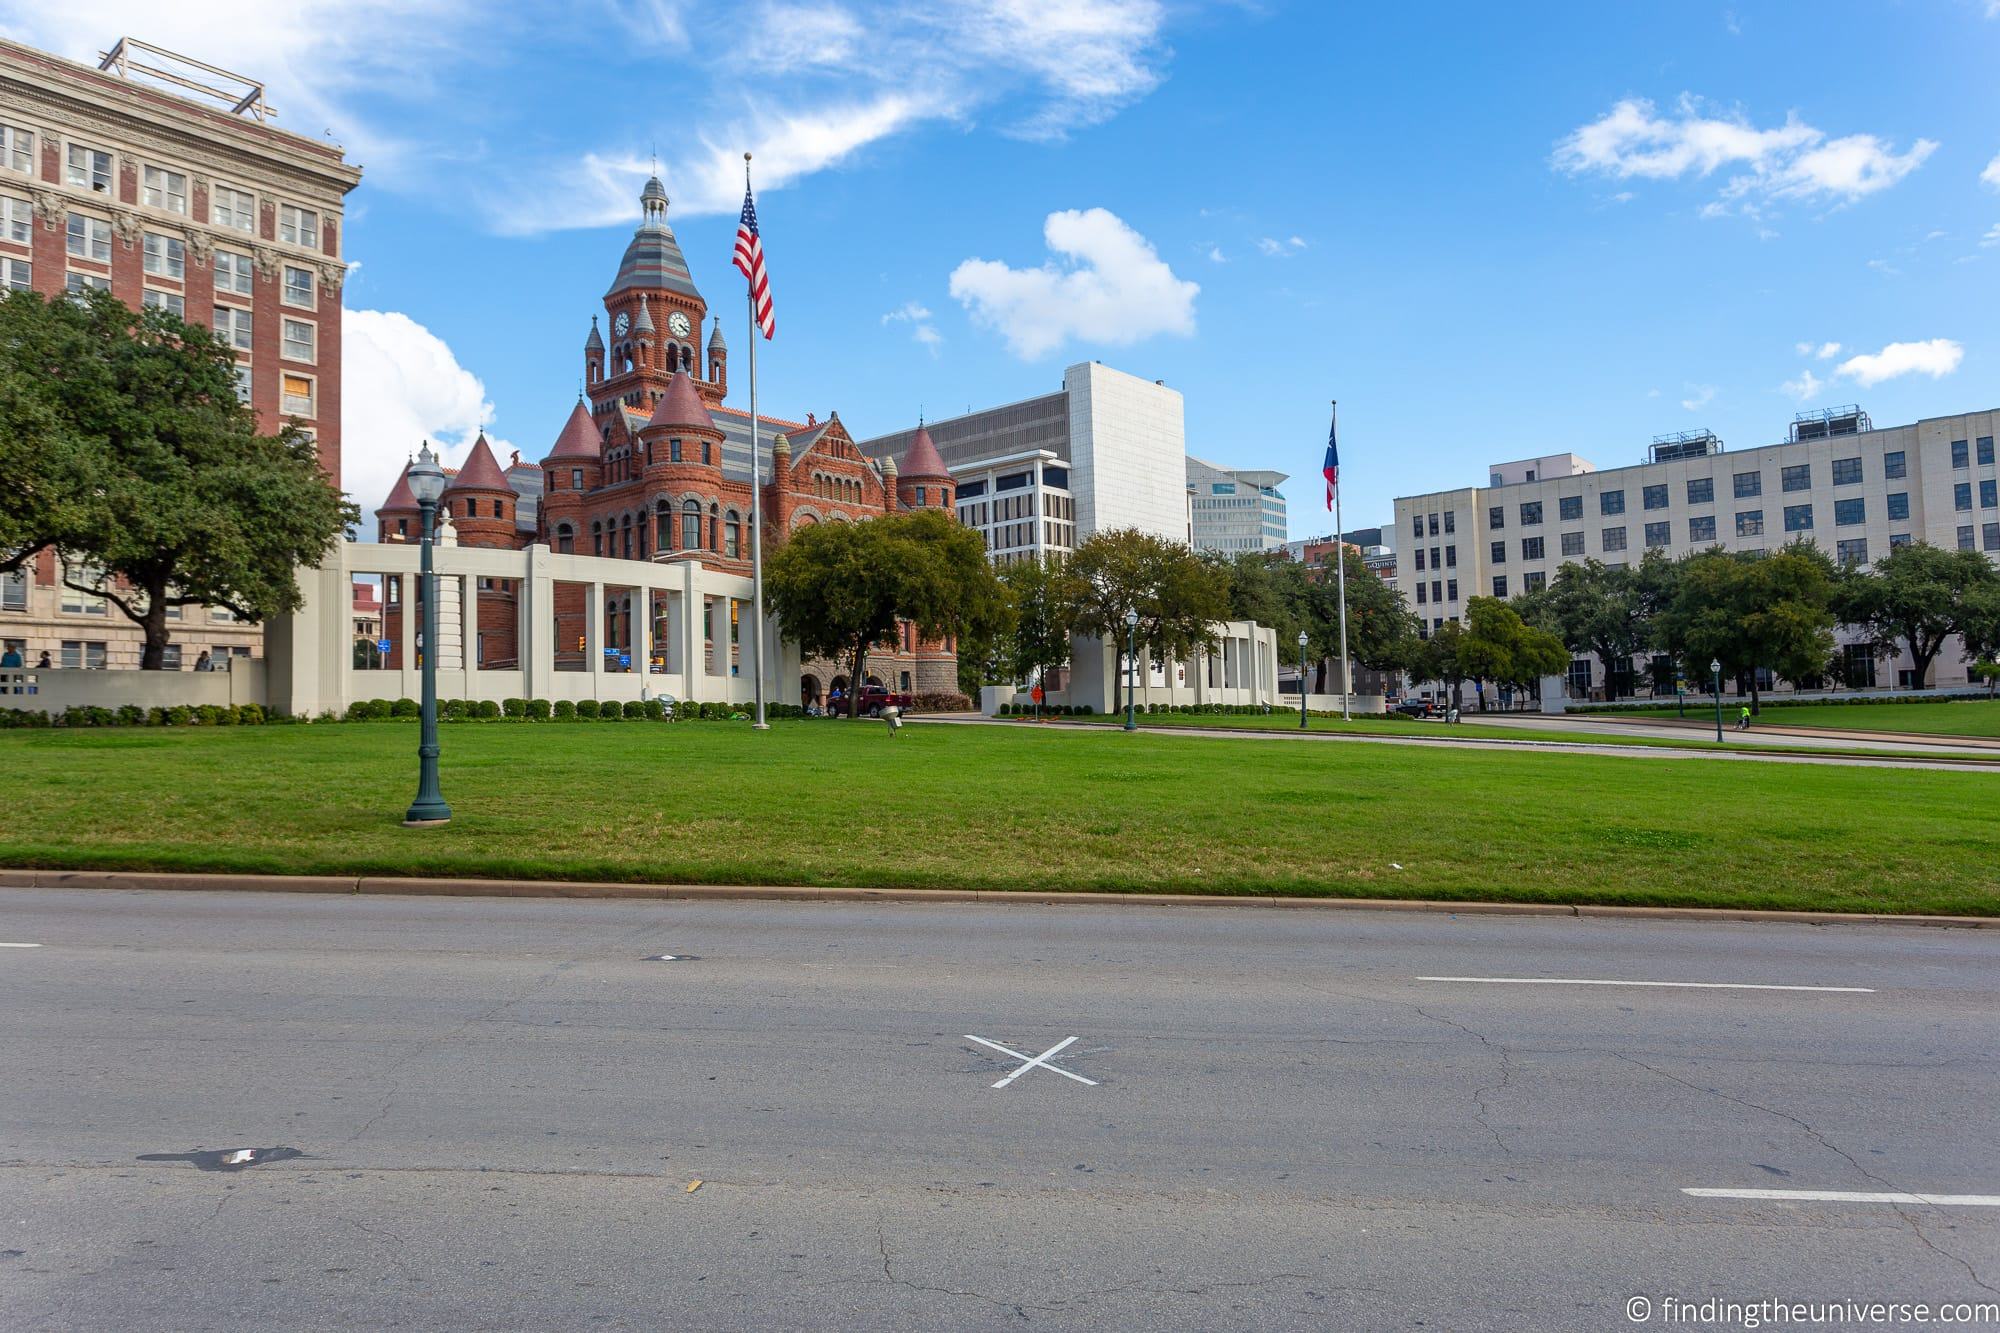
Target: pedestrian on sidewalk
[{"x": 1743, "y": 718}]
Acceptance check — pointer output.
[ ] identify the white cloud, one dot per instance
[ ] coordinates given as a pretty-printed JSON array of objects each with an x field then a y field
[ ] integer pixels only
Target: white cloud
[
  {"x": 1699, "y": 396},
  {"x": 1274, "y": 248},
  {"x": 1790, "y": 161},
  {"x": 1108, "y": 286},
  {"x": 918, "y": 317},
  {"x": 1936, "y": 357},
  {"x": 1827, "y": 351},
  {"x": 1215, "y": 254},
  {"x": 854, "y": 77},
  {"x": 1806, "y": 387},
  {"x": 1884, "y": 266},
  {"x": 1991, "y": 175},
  {"x": 401, "y": 385},
  {"x": 1991, "y": 238}
]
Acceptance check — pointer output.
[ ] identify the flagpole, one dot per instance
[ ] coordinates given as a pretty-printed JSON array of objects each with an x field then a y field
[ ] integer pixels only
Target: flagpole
[
  {"x": 1340, "y": 565},
  {"x": 756, "y": 504}
]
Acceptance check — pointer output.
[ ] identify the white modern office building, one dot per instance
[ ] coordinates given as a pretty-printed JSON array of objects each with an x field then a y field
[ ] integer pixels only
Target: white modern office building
[
  {"x": 1035, "y": 477},
  {"x": 1233, "y": 510},
  {"x": 1836, "y": 480}
]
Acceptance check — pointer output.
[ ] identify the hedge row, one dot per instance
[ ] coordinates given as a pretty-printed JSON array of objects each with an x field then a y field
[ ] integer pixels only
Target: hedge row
[
  {"x": 1766, "y": 701},
  {"x": 131, "y": 715},
  {"x": 562, "y": 710}
]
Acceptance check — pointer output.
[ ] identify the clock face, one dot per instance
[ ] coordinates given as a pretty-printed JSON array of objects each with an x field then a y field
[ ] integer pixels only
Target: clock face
[
  {"x": 677, "y": 324},
  {"x": 621, "y": 324}
]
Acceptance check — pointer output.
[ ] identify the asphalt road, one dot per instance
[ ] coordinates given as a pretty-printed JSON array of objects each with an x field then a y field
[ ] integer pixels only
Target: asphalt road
[{"x": 498, "y": 1108}]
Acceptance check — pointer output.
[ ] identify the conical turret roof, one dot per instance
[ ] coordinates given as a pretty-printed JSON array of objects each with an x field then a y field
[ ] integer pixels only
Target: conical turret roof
[
  {"x": 644, "y": 323},
  {"x": 595, "y": 342},
  {"x": 401, "y": 497},
  {"x": 578, "y": 441},
  {"x": 481, "y": 471},
  {"x": 681, "y": 406},
  {"x": 923, "y": 460}
]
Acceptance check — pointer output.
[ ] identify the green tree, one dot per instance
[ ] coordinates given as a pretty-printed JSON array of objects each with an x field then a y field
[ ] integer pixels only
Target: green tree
[
  {"x": 1381, "y": 631},
  {"x": 45, "y": 346},
  {"x": 1748, "y": 610},
  {"x": 1179, "y": 596},
  {"x": 1498, "y": 646},
  {"x": 1594, "y": 608},
  {"x": 1043, "y": 596},
  {"x": 1916, "y": 596},
  {"x": 839, "y": 589},
  {"x": 167, "y": 495},
  {"x": 1438, "y": 658}
]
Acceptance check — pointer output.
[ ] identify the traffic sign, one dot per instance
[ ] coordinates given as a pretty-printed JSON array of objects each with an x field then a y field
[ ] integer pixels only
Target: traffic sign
[{"x": 381, "y": 645}]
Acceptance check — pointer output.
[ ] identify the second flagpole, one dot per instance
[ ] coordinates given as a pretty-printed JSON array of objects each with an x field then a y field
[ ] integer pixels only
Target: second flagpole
[
  {"x": 1340, "y": 565},
  {"x": 756, "y": 508}
]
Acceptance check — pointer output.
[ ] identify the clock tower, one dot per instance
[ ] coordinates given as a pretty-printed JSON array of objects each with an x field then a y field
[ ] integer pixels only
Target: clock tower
[{"x": 655, "y": 315}]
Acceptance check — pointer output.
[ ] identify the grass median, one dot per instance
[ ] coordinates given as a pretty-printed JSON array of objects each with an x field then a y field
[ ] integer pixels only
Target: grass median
[
  {"x": 1943, "y": 717},
  {"x": 836, "y": 803}
]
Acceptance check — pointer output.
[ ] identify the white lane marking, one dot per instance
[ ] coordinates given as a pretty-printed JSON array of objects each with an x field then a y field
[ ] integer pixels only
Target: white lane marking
[
  {"x": 1033, "y": 1061},
  {"x": 20, "y": 946},
  {"x": 1852, "y": 1196},
  {"x": 1681, "y": 985}
]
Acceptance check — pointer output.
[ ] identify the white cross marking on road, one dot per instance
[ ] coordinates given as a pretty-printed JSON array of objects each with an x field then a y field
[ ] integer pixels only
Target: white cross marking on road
[{"x": 1033, "y": 1061}]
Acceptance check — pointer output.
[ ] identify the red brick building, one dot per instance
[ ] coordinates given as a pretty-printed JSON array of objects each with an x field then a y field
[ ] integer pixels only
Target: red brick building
[
  {"x": 652, "y": 466},
  {"x": 194, "y": 202}
]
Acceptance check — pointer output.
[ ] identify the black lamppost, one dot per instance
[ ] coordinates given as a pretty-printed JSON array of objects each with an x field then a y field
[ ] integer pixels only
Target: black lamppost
[
  {"x": 1715, "y": 679},
  {"x": 1302, "y": 680},
  {"x": 1131, "y": 633},
  {"x": 427, "y": 485}
]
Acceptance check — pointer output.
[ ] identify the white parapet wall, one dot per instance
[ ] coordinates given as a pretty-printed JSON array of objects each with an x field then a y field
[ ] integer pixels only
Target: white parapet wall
[
  {"x": 311, "y": 654},
  {"x": 53, "y": 691},
  {"x": 1241, "y": 667}
]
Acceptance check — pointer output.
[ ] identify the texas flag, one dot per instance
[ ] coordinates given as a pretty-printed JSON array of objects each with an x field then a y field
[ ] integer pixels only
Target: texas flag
[{"x": 1331, "y": 468}]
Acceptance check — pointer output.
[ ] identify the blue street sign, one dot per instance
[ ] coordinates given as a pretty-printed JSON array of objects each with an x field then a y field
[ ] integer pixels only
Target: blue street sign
[
  {"x": 381, "y": 645},
  {"x": 624, "y": 659}
]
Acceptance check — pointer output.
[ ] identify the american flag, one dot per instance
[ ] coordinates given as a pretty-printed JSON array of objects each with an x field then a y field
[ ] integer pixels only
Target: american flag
[
  {"x": 1331, "y": 467},
  {"x": 750, "y": 260}
]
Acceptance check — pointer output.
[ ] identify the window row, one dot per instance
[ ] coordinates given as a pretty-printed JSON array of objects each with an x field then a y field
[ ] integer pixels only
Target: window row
[
  {"x": 1961, "y": 494},
  {"x": 1960, "y": 454},
  {"x": 1701, "y": 490}
]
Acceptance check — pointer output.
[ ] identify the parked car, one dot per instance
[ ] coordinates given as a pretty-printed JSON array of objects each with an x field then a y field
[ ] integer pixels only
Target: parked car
[{"x": 1417, "y": 708}]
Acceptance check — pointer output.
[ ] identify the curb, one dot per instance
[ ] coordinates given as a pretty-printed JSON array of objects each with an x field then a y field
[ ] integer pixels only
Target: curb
[{"x": 394, "y": 886}]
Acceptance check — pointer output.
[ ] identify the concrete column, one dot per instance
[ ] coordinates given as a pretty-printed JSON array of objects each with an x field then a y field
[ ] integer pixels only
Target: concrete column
[
  {"x": 406, "y": 589},
  {"x": 693, "y": 665},
  {"x": 676, "y": 635},
  {"x": 537, "y": 629},
  {"x": 593, "y": 636},
  {"x": 718, "y": 635}
]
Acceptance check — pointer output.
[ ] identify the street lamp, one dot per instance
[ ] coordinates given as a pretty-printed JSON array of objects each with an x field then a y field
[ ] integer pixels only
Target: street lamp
[
  {"x": 1302, "y": 680},
  {"x": 427, "y": 485},
  {"x": 1715, "y": 680},
  {"x": 1131, "y": 648}
]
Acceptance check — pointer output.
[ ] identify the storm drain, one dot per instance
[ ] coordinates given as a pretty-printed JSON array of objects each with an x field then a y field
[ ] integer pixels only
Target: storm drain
[{"x": 225, "y": 1159}]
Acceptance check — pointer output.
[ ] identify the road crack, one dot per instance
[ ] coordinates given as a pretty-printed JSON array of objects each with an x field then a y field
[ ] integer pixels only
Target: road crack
[{"x": 1837, "y": 1151}]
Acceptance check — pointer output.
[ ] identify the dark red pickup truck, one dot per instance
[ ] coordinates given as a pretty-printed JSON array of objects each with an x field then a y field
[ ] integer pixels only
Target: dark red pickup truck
[{"x": 875, "y": 698}]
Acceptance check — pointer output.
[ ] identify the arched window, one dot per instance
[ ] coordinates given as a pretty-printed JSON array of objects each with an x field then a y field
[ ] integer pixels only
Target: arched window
[
  {"x": 663, "y": 527},
  {"x": 691, "y": 525},
  {"x": 597, "y": 538},
  {"x": 732, "y": 536},
  {"x": 566, "y": 539},
  {"x": 628, "y": 537}
]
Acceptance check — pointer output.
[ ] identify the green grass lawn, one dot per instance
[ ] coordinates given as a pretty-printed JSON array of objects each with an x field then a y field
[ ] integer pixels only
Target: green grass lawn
[
  {"x": 1005, "y": 808},
  {"x": 1946, "y": 717},
  {"x": 1364, "y": 725}
]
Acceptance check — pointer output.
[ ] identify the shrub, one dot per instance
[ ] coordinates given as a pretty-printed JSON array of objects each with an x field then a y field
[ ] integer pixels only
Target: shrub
[
  {"x": 180, "y": 715},
  {"x": 538, "y": 710},
  {"x": 486, "y": 710},
  {"x": 131, "y": 715},
  {"x": 943, "y": 701},
  {"x": 589, "y": 708},
  {"x": 251, "y": 715},
  {"x": 451, "y": 710},
  {"x": 611, "y": 712},
  {"x": 563, "y": 710},
  {"x": 1085, "y": 709},
  {"x": 686, "y": 710},
  {"x": 651, "y": 709},
  {"x": 514, "y": 707},
  {"x": 156, "y": 717},
  {"x": 634, "y": 710},
  {"x": 406, "y": 708}
]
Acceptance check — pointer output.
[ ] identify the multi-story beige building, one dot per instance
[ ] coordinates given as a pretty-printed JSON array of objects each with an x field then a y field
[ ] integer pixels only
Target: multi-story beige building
[
  {"x": 1837, "y": 480},
  {"x": 162, "y": 181}
]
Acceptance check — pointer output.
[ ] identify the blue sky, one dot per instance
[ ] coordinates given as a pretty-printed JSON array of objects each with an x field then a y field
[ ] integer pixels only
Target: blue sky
[{"x": 1490, "y": 231}]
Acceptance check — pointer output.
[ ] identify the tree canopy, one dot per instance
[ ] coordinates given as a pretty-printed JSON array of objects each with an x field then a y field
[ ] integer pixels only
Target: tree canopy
[
  {"x": 1917, "y": 596},
  {"x": 1043, "y": 595},
  {"x": 1179, "y": 597},
  {"x": 128, "y": 451},
  {"x": 1497, "y": 645},
  {"x": 1749, "y": 610},
  {"x": 841, "y": 588}
]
